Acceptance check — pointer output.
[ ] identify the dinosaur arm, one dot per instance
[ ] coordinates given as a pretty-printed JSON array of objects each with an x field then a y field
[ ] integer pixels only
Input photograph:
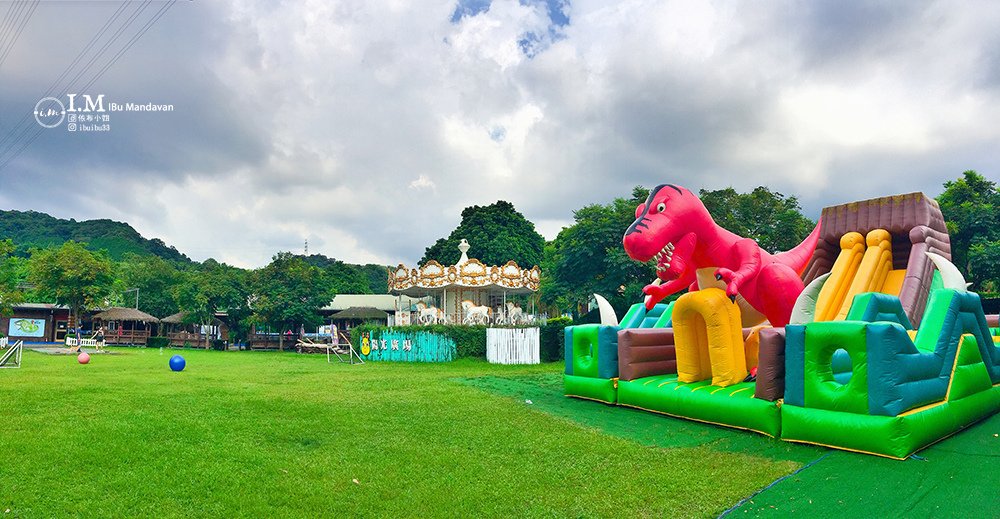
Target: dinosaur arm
[
  {"x": 747, "y": 253},
  {"x": 656, "y": 293}
]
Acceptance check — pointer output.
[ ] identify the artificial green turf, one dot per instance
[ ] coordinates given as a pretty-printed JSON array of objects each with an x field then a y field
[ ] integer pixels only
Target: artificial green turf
[
  {"x": 271, "y": 434},
  {"x": 546, "y": 394},
  {"x": 954, "y": 478}
]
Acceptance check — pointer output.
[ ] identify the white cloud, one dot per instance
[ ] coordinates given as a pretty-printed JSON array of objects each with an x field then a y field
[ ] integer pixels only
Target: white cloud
[
  {"x": 422, "y": 182},
  {"x": 366, "y": 127}
]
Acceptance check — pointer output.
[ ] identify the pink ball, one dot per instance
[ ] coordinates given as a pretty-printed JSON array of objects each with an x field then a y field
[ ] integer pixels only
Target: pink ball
[{"x": 83, "y": 357}]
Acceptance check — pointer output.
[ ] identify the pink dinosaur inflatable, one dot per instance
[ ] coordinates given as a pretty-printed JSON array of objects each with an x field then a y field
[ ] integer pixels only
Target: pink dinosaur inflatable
[{"x": 674, "y": 228}]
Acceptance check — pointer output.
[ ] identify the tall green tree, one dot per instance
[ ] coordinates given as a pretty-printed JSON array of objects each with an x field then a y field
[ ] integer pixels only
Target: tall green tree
[
  {"x": 288, "y": 293},
  {"x": 773, "y": 220},
  {"x": 71, "y": 275},
  {"x": 497, "y": 233},
  {"x": 346, "y": 278},
  {"x": 10, "y": 293},
  {"x": 155, "y": 279},
  {"x": 588, "y": 258},
  {"x": 971, "y": 209},
  {"x": 210, "y": 288}
]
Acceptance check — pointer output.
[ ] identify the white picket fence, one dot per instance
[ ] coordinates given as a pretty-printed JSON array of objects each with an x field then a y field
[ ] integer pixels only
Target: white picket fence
[
  {"x": 512, "y": 346},
  {"x": 71, "y": 341},
  {"x": 3, "y": 342}
]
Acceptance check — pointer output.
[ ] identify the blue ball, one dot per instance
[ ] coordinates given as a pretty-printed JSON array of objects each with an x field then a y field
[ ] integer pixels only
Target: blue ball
[{"x": 177, "y": 363}]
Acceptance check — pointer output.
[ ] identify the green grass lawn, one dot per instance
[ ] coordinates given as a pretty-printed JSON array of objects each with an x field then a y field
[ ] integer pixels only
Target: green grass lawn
[
  {"x": 268, "y": 434},
  {"x": 287, "y": 435}
]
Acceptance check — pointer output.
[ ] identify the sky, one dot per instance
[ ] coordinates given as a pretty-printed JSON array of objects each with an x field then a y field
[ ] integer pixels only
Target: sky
[{"x": 365, "y": 127}]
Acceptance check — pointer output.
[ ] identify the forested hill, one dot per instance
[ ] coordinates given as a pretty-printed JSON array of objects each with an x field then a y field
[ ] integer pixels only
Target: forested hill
[{"x": 30, "y": 229}]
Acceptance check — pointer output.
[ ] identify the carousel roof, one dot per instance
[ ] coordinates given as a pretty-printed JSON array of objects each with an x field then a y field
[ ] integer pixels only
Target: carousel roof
[
  {"x": 466, "y": 274},
  {"x": 117, "y": 313}
]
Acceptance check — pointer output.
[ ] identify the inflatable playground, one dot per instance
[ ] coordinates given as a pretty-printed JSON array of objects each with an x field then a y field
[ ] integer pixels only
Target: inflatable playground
[{"x": 863, "y": 338}]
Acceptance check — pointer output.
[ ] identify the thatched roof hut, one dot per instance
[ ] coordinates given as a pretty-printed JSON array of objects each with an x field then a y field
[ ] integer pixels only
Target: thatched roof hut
[
  {"x": 117, "y": 313},
  {"x": 177, "y": 318}
]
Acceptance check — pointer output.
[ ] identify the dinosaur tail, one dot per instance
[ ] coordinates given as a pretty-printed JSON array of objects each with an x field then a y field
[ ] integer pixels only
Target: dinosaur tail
[{"x": 798, "y": 257}]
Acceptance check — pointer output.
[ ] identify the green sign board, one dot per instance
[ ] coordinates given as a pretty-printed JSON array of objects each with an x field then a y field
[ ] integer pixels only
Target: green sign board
[{"x": 407, "y": 347}]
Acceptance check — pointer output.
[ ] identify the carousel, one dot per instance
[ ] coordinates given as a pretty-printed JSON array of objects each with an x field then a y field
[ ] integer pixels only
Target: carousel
[{"x": 467, "y": 292}]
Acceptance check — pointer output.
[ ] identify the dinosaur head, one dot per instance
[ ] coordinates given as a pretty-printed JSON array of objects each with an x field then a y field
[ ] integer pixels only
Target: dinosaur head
[{"x": 670, "y": 216}]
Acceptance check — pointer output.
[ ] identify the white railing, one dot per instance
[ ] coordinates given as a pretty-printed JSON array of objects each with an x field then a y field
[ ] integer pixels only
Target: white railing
[
  {"x": 512, "y": 346},
  {"x": 71, "y": 341},
  {"x": 3, "y": 342}
]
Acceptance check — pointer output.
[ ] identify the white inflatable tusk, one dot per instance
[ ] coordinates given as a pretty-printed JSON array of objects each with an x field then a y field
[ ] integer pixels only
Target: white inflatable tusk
[
  {"x": 804, "y": 310},
  {"x": 608, "y": 316},
  {"x": 950, "y": 276}
]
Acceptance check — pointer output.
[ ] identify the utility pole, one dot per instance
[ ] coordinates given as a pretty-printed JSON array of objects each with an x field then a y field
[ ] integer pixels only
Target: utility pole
[{"x": 136, "y": 296}]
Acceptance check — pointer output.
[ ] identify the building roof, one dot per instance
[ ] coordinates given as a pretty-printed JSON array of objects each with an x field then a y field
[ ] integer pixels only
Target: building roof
[
  {"x": 117, "y": 313},
  {"x": 361, "y": 313},
  {"x": 40, "y": 306},
  {"x": 384, "y": 302},
  {"x": 174, "y": 319}
]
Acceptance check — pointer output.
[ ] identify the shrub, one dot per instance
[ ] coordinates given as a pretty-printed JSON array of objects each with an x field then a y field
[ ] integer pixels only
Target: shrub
[
  {"x": 157, "y": 342},
  {"x": 219, "y": 345},
  {"x": 551, "y": 338}
]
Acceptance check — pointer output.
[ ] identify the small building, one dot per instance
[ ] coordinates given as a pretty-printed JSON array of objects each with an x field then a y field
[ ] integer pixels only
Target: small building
[
  {"x": 36, "y": 322},
  {"x": 125, "y": 325},
  {"x": 392, "y": 305},
  {"x": 351, "y": 317},
  {"x": 184, "y": 334}
]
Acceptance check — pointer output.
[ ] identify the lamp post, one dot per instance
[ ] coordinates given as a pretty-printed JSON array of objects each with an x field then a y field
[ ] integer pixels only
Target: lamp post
[{"x": 136, "y": 296}]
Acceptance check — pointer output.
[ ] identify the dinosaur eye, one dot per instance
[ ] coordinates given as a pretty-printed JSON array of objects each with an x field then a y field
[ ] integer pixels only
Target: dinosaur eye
[
  {"x": 639, "y": 209},
  {"x": 660, "y": 207}
]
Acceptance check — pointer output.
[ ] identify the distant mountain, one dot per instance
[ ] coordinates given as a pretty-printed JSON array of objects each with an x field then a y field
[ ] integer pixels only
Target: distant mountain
[{"x": 30, "y": 229}]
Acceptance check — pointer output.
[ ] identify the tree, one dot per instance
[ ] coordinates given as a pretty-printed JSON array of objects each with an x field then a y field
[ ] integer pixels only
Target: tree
[
  {"x": 344, "y": 278},
  {"x": 288, "y": 292},
  {"x": 497, "y": 234},
  {"x": 10, "y": 293},
  {"x": 71, "y": 275},
  {"x": 156, "y": 280},
  {"x": 773, "y": 220},
  {"x": 970, "y": 206},
  {"x": 210, "y": 288},
  {"x": 588, "y": 258}
]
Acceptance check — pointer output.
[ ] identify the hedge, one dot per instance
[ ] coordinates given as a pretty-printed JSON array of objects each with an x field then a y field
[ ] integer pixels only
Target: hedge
[
  {"x": 551, "y": 338},
  {"x": 157, "y": 342},
  {"x": 470, "y": 341}
]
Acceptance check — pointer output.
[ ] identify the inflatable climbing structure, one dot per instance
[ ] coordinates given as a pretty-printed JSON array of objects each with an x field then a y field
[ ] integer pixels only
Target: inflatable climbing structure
[{"x": 877, "y": 346}]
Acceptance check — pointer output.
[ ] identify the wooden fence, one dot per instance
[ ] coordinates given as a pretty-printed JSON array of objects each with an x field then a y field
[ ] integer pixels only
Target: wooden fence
[
  {"x": 512, "y": 346},
  {"x": 189, "y": 339},
  {"x": 133, "y": 337}
]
